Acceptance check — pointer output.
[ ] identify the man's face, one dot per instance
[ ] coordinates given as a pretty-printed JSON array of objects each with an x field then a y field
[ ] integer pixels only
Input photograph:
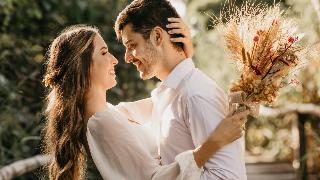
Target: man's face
[{"x": 140, "y": 52}]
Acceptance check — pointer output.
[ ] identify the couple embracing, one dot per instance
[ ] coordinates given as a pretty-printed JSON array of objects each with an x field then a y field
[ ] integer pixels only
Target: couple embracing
[{"x": 183, "y": 131}]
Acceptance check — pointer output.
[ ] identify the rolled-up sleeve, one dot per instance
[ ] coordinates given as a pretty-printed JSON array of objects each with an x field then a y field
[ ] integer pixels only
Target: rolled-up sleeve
[{"x": 204, "y": 113}]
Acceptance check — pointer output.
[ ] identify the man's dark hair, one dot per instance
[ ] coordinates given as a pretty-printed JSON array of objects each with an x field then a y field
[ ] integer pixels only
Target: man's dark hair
[{"x": 144, "y": 15}]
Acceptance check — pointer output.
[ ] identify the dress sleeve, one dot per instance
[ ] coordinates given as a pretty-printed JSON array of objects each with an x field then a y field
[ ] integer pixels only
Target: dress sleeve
[
  {"x": 119, "y": 154},
  {"x": 139, "y": 111}
]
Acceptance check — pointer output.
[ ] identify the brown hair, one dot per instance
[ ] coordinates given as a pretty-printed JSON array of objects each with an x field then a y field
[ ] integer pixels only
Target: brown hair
[
  {"x": 67, "y": 78},
  {"x": 144, "y": 15}
]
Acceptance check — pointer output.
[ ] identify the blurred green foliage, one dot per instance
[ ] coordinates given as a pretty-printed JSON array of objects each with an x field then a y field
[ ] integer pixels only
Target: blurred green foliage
[{"x": 27, "y": 27}]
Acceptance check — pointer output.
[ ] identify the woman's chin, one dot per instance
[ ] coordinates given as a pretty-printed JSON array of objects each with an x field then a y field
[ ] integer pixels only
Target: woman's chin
[{"x": 111, "y": 85}]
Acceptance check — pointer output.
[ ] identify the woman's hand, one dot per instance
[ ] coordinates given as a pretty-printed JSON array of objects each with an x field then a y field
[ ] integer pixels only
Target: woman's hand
[
  {"x": 177, "y": 26},
  {"x": 230, "y": 129}
]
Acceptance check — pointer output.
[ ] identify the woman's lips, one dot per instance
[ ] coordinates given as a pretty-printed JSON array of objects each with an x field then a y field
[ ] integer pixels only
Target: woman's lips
[{"x": 112, "y": 72}]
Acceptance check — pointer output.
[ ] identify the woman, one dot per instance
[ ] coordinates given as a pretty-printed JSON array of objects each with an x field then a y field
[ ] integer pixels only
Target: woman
[{"x": 80, "y": 71}]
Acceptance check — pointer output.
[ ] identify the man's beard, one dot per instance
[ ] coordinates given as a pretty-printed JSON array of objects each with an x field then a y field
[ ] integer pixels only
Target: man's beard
[{"x": 150, "y": 63}]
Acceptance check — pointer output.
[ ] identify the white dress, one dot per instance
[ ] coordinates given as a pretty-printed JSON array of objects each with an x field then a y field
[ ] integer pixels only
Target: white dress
[{"x": 122, "y": 150}]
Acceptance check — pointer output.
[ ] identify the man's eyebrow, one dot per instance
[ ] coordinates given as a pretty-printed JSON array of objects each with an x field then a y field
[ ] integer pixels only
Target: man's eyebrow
[{"x": 128, "y": 41}]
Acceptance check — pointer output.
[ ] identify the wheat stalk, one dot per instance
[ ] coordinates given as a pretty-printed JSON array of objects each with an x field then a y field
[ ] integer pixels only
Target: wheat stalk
[{"x": 265, "y": 45}]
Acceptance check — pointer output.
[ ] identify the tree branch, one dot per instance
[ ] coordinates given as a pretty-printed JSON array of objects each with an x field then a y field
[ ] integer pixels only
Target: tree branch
[
  {"x": 23, "y": 166},
  {"x": 292, "y": 107}
]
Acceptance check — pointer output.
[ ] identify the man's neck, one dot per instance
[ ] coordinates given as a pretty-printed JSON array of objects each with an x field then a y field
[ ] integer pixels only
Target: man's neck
[{"x": 169, "y": 62}]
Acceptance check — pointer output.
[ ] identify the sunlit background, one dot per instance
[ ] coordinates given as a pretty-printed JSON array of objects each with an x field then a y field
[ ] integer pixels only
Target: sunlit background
[{"x": 282, "y": 143}]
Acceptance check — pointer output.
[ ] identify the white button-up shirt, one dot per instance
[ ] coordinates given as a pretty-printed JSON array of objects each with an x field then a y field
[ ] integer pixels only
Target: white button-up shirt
[{"x": 186, "y": 107}]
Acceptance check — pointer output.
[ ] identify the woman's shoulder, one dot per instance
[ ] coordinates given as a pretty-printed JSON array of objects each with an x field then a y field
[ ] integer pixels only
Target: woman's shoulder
[{"x": 105, "y": 117}]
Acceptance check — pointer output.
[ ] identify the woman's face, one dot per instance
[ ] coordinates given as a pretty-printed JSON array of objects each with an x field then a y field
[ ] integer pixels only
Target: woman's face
[{"x": 102, "y": 73}]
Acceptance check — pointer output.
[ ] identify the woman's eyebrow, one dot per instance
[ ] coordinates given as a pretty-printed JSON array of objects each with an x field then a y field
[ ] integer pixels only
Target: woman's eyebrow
[{"x": 104, "y": 47}]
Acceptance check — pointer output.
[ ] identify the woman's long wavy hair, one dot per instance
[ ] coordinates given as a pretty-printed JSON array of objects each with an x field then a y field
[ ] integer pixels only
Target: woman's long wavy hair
[{"x": 67, "y": 79}]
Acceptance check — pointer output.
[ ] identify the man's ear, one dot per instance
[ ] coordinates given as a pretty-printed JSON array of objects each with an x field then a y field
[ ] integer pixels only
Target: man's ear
[{"x": 157, "y": 35}]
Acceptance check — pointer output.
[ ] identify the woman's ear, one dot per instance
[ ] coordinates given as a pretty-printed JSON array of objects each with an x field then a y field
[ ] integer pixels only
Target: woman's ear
[{"x": 156, "y": 35}]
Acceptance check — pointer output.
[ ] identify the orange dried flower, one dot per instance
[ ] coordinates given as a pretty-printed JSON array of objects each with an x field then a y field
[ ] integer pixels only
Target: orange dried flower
[
  {"x": 259, "y": 32},
  {"x": 275, "y": 22},
  {"x": 268, "y": 58}
]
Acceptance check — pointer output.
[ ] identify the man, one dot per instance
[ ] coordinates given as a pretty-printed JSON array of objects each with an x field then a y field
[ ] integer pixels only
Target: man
[{"x": 187, "y": 106}]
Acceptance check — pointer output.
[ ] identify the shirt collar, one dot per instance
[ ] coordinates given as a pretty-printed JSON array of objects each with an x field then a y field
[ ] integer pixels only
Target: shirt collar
[{"x": 178, "y": 73}]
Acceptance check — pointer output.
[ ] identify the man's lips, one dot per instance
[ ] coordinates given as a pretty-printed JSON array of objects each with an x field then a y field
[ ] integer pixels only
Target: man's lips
[{"x": 137, "y": 63}]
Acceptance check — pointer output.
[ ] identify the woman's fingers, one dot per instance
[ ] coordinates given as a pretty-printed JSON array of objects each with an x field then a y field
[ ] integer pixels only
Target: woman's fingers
[
  {"x": 176, "y": 31},
  {"x": 174, "y": 20},
  {"x": 236, "y": 134},
  {"x": 178, "y": 39},
  {"x": 241, "y": 117},
  {"x": 231, "y": 128},
  {"x": 243, "y": 127},
  {"x": 238, "y": 124},
  {"x": 174, "y": 25},
  {"x": 178, "y": 27}
]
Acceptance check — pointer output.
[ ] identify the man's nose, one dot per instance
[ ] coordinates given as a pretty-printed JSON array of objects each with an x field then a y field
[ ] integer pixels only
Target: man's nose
[{"x": 128, "y": 57}]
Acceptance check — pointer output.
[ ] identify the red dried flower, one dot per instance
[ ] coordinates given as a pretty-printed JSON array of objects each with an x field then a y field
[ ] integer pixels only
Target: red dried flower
[
  {"x": 291, "y": 39},
  {"x": 256, "y": 38},
  {"x": 294, "y": 82}
]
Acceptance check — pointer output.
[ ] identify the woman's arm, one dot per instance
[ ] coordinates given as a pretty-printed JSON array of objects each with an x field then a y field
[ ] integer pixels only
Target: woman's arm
[
  {"x": 119, "y": 154},
  {"x": 230, "y": 129}
]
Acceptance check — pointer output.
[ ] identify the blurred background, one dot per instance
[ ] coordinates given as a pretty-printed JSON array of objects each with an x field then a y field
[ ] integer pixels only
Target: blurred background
[{"x": 282, "y": 143}]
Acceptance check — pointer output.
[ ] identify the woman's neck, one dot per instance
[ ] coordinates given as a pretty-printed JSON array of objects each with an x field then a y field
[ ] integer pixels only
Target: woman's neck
[{"x": 95, "y": 101}]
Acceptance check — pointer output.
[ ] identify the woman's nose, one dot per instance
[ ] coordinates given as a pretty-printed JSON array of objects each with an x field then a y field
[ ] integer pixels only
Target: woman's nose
[{"x": 115, "y": 61}]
